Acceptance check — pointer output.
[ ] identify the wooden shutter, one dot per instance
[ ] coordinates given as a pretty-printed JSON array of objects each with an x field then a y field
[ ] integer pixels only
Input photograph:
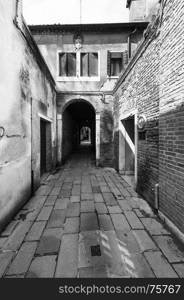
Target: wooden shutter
[
  {"x": 62, "y": 64},
  {"x": 108, "y": 63},
  {"x": 71, "y": 64},
  {"x": 84, "y": 64},
  {"x": 93, "y": 64}
]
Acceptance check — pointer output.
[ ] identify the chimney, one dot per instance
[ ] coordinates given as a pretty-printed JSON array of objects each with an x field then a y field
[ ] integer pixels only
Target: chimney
[{"x": 142, "y": 10}]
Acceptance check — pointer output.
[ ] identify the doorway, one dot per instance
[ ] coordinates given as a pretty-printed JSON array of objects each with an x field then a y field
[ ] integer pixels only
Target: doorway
[{"x": 79, "y": 129}]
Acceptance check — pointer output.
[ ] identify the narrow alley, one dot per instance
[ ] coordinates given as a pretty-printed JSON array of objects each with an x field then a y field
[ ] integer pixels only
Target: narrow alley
[{"x": 86, "y": 221}]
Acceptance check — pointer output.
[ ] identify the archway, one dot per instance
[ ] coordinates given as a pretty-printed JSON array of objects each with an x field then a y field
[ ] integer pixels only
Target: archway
[{"x": 78, "y": 130}]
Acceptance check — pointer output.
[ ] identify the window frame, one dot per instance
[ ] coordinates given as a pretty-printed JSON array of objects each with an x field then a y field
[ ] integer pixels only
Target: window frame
[
  {"x": 78, "y": 76},
  {"x": 114, "y": 51}
]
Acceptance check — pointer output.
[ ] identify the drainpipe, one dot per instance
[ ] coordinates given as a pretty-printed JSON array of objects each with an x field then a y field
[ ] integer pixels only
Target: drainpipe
[{"x": 156, "y": 204}]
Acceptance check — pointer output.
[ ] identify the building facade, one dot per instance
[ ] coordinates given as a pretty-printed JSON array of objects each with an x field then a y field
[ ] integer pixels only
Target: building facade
[
  {"x": 27, "y": 114},
  {"x": 86, "y": 61}
]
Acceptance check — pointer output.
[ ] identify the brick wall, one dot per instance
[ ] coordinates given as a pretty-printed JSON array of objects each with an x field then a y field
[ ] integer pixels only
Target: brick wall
[
  {"x": 153, "y": 83},
  {"x": 171, "y": 139},
  {"x": 139, "y": 90}
]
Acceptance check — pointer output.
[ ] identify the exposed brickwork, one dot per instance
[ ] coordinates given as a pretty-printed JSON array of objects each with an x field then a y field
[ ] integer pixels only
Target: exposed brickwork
[
  {"x": 153, "y": 84},
  {"x": 140, "y": 91},
  {"x": 171, "y": 137}
]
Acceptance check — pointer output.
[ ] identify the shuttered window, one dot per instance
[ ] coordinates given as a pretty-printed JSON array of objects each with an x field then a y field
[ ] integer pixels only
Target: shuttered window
[
  {"x": 89, "y": 64},
  {"x": 67, "y": 64},
  {"x": 116, "y": 62}
]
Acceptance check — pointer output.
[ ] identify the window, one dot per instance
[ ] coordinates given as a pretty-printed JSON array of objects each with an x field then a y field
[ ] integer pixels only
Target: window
[
  {"x": 116, "y": 61},
  {"x": 67, "y": 64},
  {"x": 89, "y": 64}
]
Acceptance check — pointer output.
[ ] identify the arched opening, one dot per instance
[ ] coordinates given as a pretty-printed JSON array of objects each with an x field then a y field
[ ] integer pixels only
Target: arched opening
[{"x": 78, "y": 129}]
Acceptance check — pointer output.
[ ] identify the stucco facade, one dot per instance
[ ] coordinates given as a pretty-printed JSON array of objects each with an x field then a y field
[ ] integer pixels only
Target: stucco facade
[{"x": 27, "y": 93}]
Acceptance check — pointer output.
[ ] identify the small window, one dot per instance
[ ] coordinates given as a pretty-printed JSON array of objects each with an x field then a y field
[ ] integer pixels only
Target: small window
[
  {"x": 89, "y": 64},
  {"x": 116, "y": 62},
  {"x": 67, "y": 64}
]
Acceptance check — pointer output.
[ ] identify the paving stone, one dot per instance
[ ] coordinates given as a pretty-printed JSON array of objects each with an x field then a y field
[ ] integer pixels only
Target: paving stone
[
  {"x": 109, "y": 199},
  {"x": 35, "y": 232},
  {"x": 57, "y": 218},
  {"x": 98, "y": 198},
  {"x": 64, "y": 194},
  {"x": 112, "y": 256},
  {"x": 144, "y": 240},
  {"x": 73, "y": 210},
  {"x": 159, "y": 265},
  {"x": 120, "y": 222},
  {"x": 114, "y": 209},
  {"x": 5, "y": 260},
  {"x": 86, "y": 240},
  {"x": 137, "y": 266},
  {"x": 9, "y": 229},
  {"x": 101, "y": 208},
  {"x": 74, "y": 199},
  {"x": 179, "y": 268},
  {"x": 43, "y": 190},
  {"x": 133, "y": 220},
  {"x": 127, "y": 242},
  {"x": 76, "y": 190},
  {"x": 124, "y": 204},
  {"x": 44, "y": 213},
  {"x": 72, "y": 225},
  {"x": 35, "y": 202},
  {"x": 105, "y": 189},
  {"x": 170, "y": 249},
  {"x": 16, "y": 238},
  {"x": 28, "y": 214},
  {"x": 88, "y": 222},
  {"x": 139, "y": 213},
  {"x": 87, "y": 196},
  {"x": 50, "y": 241},
  {"x": 42, "y": 267},
  {"x": 68, "y": 257},
  {"x": 55, "y": 191},
  {"x": 85, "y": 189},
  {"x": 87, "y": 206},
  {"x": 2, "y": 241},
  {"x": 105, "y": 223},
  {"x": 154, "y": 227},
  {"x": 50, "y": 200},
  {"x": 23, "y": 259},
  {"x": 61, "y": 203},
  {"x": 91, "y": 272},
  {"x": 96, "y": 189}
]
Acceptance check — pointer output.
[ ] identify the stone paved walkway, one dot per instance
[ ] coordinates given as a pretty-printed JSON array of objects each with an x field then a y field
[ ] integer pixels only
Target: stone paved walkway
[{"x": 88, "y": 222}]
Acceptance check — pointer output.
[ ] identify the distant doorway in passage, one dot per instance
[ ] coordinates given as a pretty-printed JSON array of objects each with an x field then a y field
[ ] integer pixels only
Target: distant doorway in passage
[{"x": 85, "y": 136}]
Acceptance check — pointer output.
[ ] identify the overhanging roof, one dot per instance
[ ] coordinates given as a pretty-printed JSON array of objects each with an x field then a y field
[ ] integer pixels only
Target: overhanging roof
[{"x": 107, "y": 27}]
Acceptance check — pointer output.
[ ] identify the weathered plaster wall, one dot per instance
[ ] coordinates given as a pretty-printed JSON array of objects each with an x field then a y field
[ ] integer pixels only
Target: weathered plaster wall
[{"x": 24, "y": 90}]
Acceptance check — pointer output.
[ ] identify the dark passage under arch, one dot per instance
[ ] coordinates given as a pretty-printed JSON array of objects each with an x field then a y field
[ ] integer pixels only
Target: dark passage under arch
[{"x": 78, "y": 129}]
